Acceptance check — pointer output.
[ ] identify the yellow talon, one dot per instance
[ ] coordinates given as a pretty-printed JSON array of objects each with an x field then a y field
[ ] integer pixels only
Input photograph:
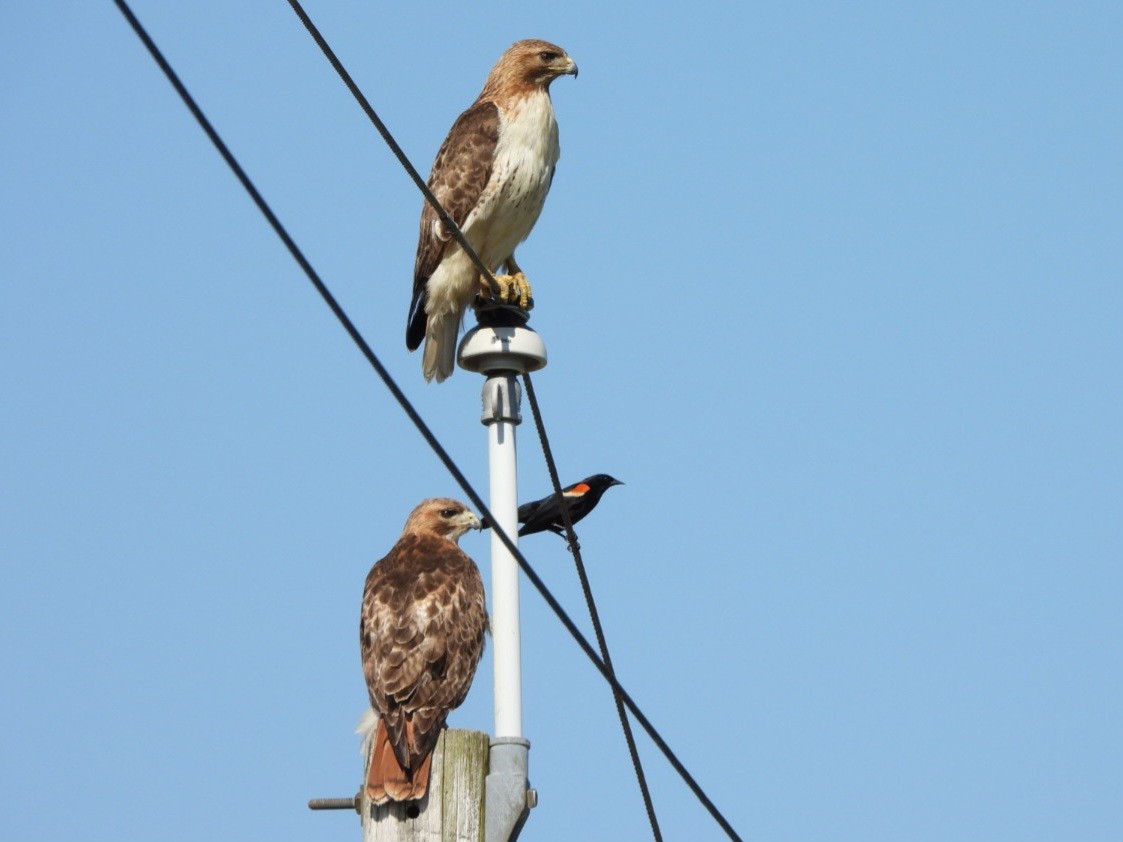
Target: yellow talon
[
  {"x": 523, "y": 286},
  {"x": 513, "y": 289}
]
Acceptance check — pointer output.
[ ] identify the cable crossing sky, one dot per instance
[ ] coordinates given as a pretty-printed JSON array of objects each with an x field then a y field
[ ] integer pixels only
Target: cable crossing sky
[{"x": 601, "y": 665}]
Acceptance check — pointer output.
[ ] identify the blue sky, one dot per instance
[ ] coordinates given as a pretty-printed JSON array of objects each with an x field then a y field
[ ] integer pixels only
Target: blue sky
[{"x": 834, "y": 288}]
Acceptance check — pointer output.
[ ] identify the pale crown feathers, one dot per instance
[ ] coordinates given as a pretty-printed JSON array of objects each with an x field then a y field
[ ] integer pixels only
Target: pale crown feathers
[{"x": 441, "y": 516}]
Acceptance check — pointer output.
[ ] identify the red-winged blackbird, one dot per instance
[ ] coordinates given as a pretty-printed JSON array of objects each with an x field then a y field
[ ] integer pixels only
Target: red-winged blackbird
[{"x": 581, "y": 498}]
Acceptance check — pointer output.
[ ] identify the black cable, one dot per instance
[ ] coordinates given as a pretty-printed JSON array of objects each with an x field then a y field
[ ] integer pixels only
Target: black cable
[
  {"x": 446, "y": 220},
  {"x": 594, "y": 615},
  {"x": 413, "y": 415}
]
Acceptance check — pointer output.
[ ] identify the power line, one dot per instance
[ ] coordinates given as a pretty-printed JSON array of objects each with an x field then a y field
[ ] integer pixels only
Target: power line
[
  {"x": 594, "y": 615},
  {"x": 485, "y": 270},
  {"x": 446, "y": 220},
  {"x": 413, "y": 415}
]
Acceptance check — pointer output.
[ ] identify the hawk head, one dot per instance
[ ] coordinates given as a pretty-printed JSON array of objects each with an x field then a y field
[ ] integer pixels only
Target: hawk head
[
  {"x": 442, "y": 517},
  {"x": 528, "y": 64}
]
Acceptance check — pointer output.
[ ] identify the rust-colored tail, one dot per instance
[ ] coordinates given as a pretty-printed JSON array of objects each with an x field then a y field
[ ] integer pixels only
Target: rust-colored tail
[{"x": 387, "y": 780}]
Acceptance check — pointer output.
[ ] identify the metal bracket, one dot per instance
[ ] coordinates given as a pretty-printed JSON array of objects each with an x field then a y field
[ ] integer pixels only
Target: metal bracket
[
  {"x": 509, "y": 796},
  {"x": 502, "y": 396}
]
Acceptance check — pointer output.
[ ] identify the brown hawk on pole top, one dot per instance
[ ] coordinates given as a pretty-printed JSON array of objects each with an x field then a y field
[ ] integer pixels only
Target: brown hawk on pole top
[
  {"x": 491, "y": 175},
  {"x": 421, "y": 634}
]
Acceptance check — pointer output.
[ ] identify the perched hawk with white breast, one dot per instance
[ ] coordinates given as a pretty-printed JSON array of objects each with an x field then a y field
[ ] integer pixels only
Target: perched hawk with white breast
[
  {"x": 421, "y": 634},
  {"x": 491, "y": 175}
]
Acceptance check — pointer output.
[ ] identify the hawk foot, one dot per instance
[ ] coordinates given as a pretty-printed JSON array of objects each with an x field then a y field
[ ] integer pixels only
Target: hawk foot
[{"x": 513, "y": 290}]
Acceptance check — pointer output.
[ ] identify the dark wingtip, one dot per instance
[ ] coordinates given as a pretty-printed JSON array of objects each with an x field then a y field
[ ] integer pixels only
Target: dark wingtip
[
  {"x": 415, "y": 331},
  {"x": 416, "y": 321}
]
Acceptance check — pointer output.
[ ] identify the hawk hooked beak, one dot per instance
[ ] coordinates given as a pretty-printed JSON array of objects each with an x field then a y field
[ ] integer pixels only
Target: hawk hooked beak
[
  {"x": 467, "y": 520},
  {"x": 455, "y": 523},
  {"x": 562, "y": 65}
]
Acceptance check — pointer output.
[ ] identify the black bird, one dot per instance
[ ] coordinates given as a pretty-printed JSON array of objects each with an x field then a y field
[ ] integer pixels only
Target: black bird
[{"x": 580, "y": 498}]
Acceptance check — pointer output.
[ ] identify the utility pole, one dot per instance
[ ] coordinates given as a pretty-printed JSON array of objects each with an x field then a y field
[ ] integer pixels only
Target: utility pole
[
  {"x": 478, "y": 788},
  {"x": 501, "y": 349}
]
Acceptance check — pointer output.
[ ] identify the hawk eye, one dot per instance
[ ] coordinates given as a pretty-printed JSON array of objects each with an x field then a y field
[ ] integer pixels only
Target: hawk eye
[
  {"x": 447, "y": 513},
  {"x": 546, "y": 55}
]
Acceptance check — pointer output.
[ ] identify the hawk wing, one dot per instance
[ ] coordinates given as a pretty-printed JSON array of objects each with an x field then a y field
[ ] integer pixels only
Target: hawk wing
[
  {"x": 460, "y": 173},
  {"x": 421, "y": 637}
]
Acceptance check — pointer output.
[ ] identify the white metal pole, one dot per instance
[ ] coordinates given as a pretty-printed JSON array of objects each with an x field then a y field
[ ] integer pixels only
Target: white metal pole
[
  {"x": 501, "y": 403},
  {"x": 501, "y": 353}
]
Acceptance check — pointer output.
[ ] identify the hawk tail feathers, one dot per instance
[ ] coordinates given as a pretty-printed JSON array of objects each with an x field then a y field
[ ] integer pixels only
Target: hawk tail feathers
[
  {"x": 439, "y": 358},
  {"x": 386, "y": 779}
]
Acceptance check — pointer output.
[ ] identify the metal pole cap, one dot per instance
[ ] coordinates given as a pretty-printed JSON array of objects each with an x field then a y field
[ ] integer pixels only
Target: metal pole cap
[{"x": 487, "y": 349}]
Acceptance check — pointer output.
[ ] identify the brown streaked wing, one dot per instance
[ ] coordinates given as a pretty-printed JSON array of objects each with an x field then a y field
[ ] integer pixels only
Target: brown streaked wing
[
  {"x": 460, "y": 174},
  {"x": 461, "y": 631},
  {"x": 420, "y": 668}
]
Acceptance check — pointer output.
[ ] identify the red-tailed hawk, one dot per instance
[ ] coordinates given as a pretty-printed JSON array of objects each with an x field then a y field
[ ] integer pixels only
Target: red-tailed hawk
[
  {"x": 492, "y": 175},
  {"x": 421, "y": 635}
]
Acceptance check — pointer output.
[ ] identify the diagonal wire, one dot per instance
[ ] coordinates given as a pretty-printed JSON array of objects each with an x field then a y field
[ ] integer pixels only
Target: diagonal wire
[
  {"x": 446, "y": 219},
  {"x": 418, "y": 422},
  {"x": 594, "y": 615}
]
